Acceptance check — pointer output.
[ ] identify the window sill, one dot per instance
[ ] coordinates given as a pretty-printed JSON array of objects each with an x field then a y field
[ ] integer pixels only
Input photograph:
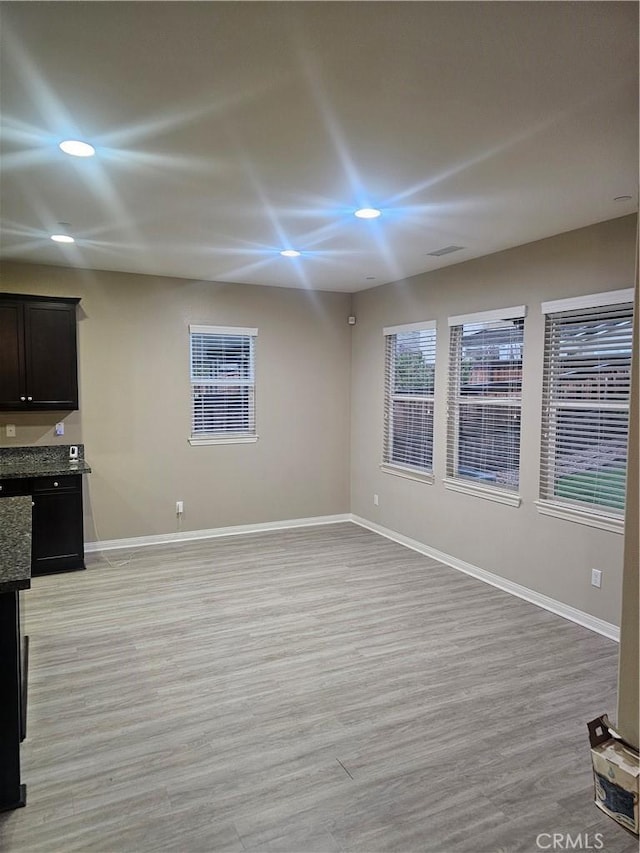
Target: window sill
[
  {"x": 407, "y": 473},
  {"x": 498, "y": 495},
  {"x": 229, "y": 439},
  {"x": 591, "y": 518}
]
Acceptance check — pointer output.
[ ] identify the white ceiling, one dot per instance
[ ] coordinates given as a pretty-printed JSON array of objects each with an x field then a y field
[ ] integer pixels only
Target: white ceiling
[{"x": 227, "y": 131}]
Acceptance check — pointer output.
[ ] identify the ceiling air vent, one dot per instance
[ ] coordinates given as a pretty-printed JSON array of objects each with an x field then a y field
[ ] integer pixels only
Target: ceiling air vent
[{"x": 446, "y": 250}]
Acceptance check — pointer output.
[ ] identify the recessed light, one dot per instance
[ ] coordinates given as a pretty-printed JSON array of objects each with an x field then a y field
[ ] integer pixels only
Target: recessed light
[
  {"x": 62, "y": 238},
  {"x": 622, "y": 198},
  {"x": 77, "y": 148},
  {"x": 368, "y": 213},
  {"x": 290, "y": 253}
]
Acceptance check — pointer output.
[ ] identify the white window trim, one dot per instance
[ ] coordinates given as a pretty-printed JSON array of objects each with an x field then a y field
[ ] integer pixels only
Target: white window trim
[
  {"x": 489, "y": 316},
  {"x": 489, "y": 493},
  {"x": 583, "y": 513},
  {"x": 426, "y": 325},
  {"x": 594, "y": 300},
  {"x": 223, "y": 330},
  {"x": 422, "y": 475},
  {"x": 231, "y": 438},
  {"x": 407, "y": 473},
  {"x": 590, "y": 518},
  {"x": 460, "y": 484}
]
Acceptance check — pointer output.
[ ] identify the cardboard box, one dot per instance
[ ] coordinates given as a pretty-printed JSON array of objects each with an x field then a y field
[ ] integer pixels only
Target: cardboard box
[{"x": 616, "y": 774}]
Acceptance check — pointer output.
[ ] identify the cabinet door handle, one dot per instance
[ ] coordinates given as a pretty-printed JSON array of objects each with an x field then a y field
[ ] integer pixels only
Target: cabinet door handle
[
  {"x": 33, "y": 503},
  {"x": 23, "y": 399},
  {"x": 29, "y": 398},
  {"x": 55, "y": 482}
]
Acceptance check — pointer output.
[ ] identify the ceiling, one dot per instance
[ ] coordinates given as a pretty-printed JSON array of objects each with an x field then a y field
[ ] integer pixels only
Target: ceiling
[{"x": 228, "y": 131}]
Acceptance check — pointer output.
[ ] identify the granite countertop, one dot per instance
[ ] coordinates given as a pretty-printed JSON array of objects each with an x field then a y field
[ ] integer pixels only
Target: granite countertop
[
  {"x": 22, "y": 471},
  {"x": 42, "y": 461},
  {"x": 15, "y": 544}
]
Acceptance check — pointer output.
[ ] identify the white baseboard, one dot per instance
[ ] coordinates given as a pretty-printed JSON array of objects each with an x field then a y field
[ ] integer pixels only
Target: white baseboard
[
  {"x": 607, "y": 629},
  {"x": 190, "y": 535}
]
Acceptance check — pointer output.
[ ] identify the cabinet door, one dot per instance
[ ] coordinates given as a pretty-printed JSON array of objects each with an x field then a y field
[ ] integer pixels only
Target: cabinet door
[
  {"x": 12, "y": 793},
  {"x": 57, "y": 535},
  {"x": 12, "y": 366},
  {"x": 51, "y": 367}
]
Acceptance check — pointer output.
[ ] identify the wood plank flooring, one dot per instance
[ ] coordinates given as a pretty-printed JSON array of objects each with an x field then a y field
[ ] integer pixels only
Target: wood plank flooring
[{"x": 319, "y": 689}]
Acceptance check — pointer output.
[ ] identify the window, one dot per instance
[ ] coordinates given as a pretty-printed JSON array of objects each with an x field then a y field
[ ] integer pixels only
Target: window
[
  {"x": 587, "y": 380},
  {"x": 222, "y": 384},
  {"x": 485, "y": 387},
  {"x": 410, "y": 358}
]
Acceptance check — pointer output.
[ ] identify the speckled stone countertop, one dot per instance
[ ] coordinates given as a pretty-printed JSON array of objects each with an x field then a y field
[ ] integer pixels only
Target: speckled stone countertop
[
  {"x": 43, "y": 461},
  {"x": 15, "y": 544}
]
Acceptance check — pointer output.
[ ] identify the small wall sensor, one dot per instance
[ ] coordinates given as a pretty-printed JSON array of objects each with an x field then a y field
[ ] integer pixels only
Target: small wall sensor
[{"x": 351, "y": 320}]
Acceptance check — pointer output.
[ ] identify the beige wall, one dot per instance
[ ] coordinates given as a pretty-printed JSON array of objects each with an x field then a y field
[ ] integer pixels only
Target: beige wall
[
  {"x": 628, "y": 711},
  {"x": 134, "y": 396},
  {"x": 549, "y": 555}
]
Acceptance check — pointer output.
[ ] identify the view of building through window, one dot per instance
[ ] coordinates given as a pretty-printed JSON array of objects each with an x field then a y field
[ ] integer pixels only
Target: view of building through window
[
  {"x": 485, "y": 401},
  {"x": 587, "y": 378},
  {"x": 222, "y": 383}
]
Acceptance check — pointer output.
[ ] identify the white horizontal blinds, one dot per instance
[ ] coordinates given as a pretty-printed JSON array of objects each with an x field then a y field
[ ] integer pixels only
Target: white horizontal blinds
[
  {"x": 222, "y": 381},
  {"x": 409, "y": 386},
  {"x": 587, "y": 379},
  {"x": 485, "y": 387}
]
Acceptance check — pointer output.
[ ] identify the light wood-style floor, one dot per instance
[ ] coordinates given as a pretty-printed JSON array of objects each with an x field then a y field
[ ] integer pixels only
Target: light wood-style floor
[{"x": 321, "y": 689}]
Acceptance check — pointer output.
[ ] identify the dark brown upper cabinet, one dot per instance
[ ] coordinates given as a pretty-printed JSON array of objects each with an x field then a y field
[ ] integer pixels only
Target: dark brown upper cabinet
[{"x": 38, "y": 353}]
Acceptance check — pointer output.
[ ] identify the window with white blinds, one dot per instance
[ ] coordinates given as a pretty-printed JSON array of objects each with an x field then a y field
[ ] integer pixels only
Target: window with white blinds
[
  {"x": 587, "y": 381},
  {"x": 485, "y": 398},
  {"x": 410, "y": 358},
  {"x": 222, "y": 382}
]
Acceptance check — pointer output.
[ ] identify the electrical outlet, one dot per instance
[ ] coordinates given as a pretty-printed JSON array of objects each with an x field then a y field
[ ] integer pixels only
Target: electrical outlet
[
  {"x": 376, "y": 500},
  {"x": 73, "y": 452},
  {"x": 11, "y": 430},
  {"x": 179, "y": 507},
  {"x": 596, "y": 578}
]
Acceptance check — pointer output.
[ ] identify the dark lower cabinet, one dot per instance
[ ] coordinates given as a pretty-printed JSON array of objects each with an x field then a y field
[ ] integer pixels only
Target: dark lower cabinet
[
  {"x": 57, "y": 536},
  {"x": 12, "y": 708}
]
